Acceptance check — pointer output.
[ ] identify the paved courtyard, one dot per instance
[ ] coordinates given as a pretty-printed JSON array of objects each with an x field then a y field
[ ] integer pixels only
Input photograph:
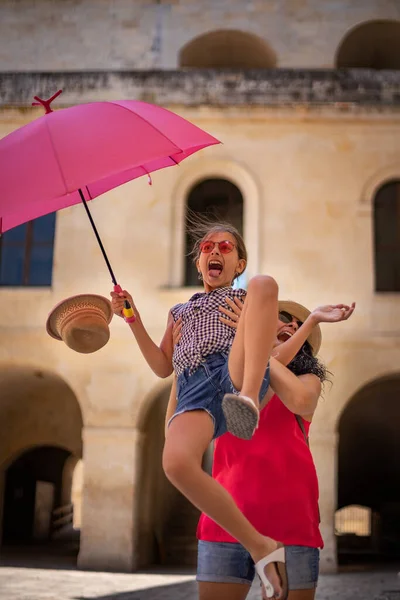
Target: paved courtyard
[{"x": 23, "y": 583}]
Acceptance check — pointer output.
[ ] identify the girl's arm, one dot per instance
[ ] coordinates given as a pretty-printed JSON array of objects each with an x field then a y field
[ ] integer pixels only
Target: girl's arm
[
  {"x": 172, "y": 402},
  {"x": 159, "y": 358},
  {"x": 298, "y": 393}
]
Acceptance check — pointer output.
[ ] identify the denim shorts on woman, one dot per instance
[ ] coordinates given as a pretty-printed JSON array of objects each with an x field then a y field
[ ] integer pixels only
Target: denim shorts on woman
[
  {"x": 205, "y": 388},
  {"x": 220, "y": 562}
]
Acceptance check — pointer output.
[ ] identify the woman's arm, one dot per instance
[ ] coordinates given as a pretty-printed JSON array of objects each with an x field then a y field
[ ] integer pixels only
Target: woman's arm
[
  {"x": 285, "y": 352},
  {"x": 159, "y": 358},
  {"x": 329, "y": 313},
  {"x": 298, "y": 393},
  {"x": 172, "y": 402}
]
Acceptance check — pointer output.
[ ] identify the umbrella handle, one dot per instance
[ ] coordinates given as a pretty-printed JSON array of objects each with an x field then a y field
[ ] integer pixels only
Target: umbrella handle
[{"x": 129, "y": 315}]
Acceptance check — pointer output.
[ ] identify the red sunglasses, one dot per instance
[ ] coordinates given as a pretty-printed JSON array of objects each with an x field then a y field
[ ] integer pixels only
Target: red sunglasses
[{"x": 224, "y": 247}]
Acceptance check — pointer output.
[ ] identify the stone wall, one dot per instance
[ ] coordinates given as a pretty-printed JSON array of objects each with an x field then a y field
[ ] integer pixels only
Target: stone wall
[
  {"x": 308, "y": 182},
  {"x": 62, "y": 35},
  {"x": 341, "y": 90}
]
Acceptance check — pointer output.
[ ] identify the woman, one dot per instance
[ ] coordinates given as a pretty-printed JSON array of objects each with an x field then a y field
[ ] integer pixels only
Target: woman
[{"x": 272, "y": 477}]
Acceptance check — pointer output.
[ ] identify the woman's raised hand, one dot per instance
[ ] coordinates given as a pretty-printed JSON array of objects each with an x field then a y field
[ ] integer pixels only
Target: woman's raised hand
[
  {"x": 333, "y": 313},
  {"x": 232, "y": 313},
  {"x": 117, "y": 302},
  {"x": 177, "y": 331}
]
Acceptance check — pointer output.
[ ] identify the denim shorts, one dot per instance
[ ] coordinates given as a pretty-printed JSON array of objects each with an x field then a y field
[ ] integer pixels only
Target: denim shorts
[
  {"x": 220, "y": 562},
  {"x": 205, "y": 388}
]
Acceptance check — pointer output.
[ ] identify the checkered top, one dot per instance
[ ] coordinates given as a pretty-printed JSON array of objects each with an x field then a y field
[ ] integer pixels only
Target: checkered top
[{"x": 202, "y": 331}]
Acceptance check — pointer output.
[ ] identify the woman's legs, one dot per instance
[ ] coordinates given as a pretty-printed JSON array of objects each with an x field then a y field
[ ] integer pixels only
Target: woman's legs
[
  {"x": 188, "y": 437},
  {"x": 255, "y": 336},
  {"x": 302, "y": 594},
  {"x": 239, "y": 591},
  {"x": 223, "y": 591}
]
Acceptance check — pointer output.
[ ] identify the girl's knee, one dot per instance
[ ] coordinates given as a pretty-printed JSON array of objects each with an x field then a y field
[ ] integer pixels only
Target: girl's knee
[
  {"x": 263, "y": 284},
  {"x": 175, "y": 464}
]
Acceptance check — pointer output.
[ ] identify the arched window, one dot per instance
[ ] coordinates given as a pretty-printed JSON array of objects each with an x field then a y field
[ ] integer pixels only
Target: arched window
[
  {"x": 26, "y": 253},
  {"x": 371, "y": 45},
  {"x": 227, "y": 49},
  {"x": 387, "y": 237},
  {"x": 355, "y": 520},
  {"x": 215, "y": 198}
]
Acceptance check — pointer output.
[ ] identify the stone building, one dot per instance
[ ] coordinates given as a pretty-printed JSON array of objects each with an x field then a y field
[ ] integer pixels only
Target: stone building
[{"x": 305, "y": 97}]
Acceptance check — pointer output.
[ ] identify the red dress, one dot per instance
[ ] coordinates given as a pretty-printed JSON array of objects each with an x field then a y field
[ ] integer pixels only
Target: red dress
[{"x": 272, "y": 478}]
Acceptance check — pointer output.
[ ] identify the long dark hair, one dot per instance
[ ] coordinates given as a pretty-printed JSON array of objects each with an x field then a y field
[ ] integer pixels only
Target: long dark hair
[{"x": 305, "y": 362}]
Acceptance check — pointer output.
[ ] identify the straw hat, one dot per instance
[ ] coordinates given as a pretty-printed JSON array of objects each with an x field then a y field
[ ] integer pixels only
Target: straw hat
[
  {"x": 301, "y": 313},
  {"x": 81, "y": 322}
]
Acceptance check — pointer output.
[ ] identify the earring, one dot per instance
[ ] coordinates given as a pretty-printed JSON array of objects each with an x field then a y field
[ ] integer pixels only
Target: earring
[{"x": 199, "y": 276}]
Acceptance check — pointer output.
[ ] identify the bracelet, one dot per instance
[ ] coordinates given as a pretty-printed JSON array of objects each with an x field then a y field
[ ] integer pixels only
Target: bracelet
[{"x": 130, "y": 319}]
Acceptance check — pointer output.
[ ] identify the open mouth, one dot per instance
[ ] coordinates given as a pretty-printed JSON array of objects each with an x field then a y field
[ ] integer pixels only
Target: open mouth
[
  {"x": 284, "y": 336},
  {"x": 214, "y": 268}
]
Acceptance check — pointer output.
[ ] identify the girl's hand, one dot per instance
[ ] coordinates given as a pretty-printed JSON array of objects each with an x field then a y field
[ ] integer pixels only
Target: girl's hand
[
  {"x": 333, "y": 313},
  {"x": 177, "y": 331},
  {"x": 236, "y": 307},
  {"x": 117, "y": 302}
]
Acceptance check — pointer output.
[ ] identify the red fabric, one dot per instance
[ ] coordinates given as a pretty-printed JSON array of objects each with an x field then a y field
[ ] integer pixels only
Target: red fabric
[{"x": 272, "y": 478}]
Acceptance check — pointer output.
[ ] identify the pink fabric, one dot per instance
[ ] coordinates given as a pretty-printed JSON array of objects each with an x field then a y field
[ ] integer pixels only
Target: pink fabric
[
  {"x": 95, "y": 147},
  {"x": 272, "y": 478}
]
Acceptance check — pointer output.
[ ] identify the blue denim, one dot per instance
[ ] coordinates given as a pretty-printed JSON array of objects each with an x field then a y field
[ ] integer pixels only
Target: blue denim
[
  {"x": 205, "y": 388},
  {"x": 220, "y": 562}
]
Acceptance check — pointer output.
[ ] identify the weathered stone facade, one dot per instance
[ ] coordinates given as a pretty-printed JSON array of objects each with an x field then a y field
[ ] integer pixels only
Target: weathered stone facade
[{"x": 148, "y": 34}]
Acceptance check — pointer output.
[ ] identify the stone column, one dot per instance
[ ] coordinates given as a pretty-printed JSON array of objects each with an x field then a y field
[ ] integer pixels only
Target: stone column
[
  {"x": 2, "y": 492},
  {"x": 108, "y": 499},
  {"x": 324, "y": 449}
]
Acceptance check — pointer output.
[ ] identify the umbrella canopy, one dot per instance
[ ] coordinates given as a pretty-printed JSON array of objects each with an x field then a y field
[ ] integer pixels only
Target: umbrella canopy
[{"x": 86, "y": 150}]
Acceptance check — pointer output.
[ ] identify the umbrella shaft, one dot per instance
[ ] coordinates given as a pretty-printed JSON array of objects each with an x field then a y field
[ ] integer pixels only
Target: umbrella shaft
[{"x": 97, "y": 237}]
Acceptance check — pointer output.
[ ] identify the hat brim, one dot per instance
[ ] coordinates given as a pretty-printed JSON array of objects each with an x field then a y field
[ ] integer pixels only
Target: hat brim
[
  {"x": 301, "y": 313},
  {"x": 75, "y": 302}
]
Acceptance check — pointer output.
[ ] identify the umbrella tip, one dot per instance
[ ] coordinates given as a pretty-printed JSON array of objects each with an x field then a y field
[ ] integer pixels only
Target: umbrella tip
[{"x": 46, "y": 103}]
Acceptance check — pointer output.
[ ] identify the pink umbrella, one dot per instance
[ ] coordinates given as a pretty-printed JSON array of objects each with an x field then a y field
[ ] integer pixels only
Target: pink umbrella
[{"x": 76, "y": 154}]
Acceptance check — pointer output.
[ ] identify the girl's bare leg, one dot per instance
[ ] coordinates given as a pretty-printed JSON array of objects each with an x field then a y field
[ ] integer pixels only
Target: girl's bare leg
[
  {"x": 222, "y": 591},
  {"x": 255, "y": 336},
  {"x": 188, "y": 437}
]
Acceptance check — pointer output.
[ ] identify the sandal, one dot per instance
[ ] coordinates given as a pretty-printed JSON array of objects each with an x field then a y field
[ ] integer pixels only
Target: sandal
[
  {"x": 241, "y": 415},
  {"x": 279, "y": 560}
]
